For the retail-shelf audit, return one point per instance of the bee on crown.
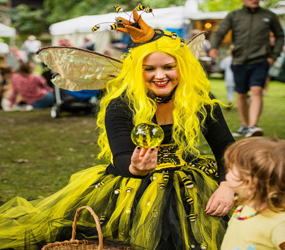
(135, 26)
(121, 22)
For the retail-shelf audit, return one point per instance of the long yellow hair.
(191, 95)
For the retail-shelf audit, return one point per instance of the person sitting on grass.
(33, 88)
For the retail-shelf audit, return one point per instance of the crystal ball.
(147, 135)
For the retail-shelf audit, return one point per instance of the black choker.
(161, 99)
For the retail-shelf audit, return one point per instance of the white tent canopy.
(79, 27)
(6, 31)
(165, 18)
(207, 15)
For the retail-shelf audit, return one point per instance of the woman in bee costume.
(165, 198)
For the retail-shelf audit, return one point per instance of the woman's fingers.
(221, 210)
(143, 161)
(136, 156)
(149, 154)
(143, 152)
(145, 158)
(221, 201)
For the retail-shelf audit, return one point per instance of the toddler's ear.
(252, 181)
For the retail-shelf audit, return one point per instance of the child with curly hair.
(256, 172)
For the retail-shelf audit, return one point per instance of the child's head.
(256, 171)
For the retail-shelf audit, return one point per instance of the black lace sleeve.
(218, 136)
(119, 125)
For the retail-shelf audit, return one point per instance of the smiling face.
(160, 73)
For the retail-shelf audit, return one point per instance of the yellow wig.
(191, 95)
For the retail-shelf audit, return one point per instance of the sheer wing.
(79, 69)
(195, 44)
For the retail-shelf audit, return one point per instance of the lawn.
(38, 153)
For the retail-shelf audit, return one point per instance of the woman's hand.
(270, 61)
(143, 161)
(221, 201)
(213, 53)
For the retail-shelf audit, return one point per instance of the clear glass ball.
(147, 135)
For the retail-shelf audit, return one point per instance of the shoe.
(54, 112)
(240, 132)
(254, 131)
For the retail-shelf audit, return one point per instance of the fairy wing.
(195, 44)
(79, 69)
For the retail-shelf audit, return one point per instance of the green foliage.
(27, 21)
(219, 5)
(270, 3)
(38, 154)
(163, 4)
(229, 5)
(63, 10)
(35, 22)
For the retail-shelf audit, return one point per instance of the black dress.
(163, 210)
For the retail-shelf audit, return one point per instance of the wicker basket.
(74, 244)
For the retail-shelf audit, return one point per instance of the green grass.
(56, 148)
(273, 115)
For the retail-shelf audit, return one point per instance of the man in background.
(252, 57)
(30, 47)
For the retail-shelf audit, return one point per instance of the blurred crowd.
(25, 82)
(21, 88)
(17, 68)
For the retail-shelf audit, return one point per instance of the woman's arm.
(118, 122)
(219, 138)
(143, 161)
(128, 160)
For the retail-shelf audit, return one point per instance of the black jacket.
(250, 35)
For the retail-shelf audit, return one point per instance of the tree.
(27, 21)
(219, 5)
(270, 3)
(229, 5)
(163, 4)
(63, 10)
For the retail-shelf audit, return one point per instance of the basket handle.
(100, 246)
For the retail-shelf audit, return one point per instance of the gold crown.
(142, 33)
(138, 30)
